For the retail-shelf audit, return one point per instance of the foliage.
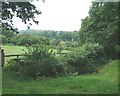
(54, 42)
(101, 26)
(54, 35)
(23, 39)
(23, 10)
(72, 44)
(39, 61)
(6, 35)
(87, 58)
(4, 39)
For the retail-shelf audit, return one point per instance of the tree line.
(34, 36)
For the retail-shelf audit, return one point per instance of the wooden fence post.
(2, 57)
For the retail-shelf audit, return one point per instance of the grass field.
(104, 82)
(12, 50)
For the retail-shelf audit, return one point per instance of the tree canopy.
(23, 10)
(101, 26)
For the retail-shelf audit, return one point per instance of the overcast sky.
(59, 15)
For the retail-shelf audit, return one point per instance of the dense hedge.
(87, 58)
(40, 61)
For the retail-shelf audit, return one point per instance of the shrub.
(54, 42)
(118, 51)
(67, 69)
(112, 52)
(38, 62)
(87, 58)
(4, 39)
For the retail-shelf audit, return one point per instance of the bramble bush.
(87, 58)
(39, 61)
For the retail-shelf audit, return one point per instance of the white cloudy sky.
(59, 15)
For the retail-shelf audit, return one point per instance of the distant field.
(13, 49)
(18, 50)
(104, 82)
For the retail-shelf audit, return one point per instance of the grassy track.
(104, 82)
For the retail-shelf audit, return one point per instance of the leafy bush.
(112, 52)
(38, 62)
(68, 70)
(87, 58)
(54, 42)
(118, 51)
(4, 39)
